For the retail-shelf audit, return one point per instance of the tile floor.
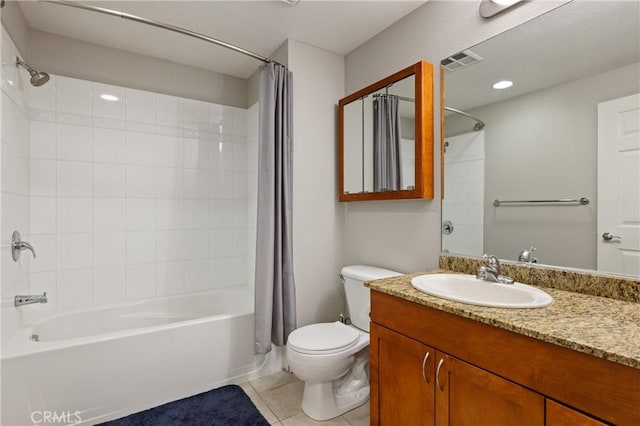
(278, 397)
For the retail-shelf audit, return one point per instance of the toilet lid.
(323, 338)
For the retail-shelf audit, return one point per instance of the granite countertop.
(598, 326)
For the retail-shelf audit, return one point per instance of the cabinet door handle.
(424, 362)
(438, 374)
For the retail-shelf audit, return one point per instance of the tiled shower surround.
(134, 194)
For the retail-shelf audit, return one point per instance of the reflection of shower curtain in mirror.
(387, 162)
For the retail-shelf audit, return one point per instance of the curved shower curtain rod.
(161, 25)
(479, 123)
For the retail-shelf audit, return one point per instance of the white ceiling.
(576, 40)
(258, 26)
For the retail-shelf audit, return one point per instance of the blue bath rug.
(225, 406)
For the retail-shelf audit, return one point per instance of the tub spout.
(28, 300)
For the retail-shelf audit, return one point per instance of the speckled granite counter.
(599, 326)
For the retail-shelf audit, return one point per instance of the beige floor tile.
(301, 419)
(260, 404)
(358, 416)
(285, 400)
(273, 381)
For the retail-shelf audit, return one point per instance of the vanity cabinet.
(430, 367)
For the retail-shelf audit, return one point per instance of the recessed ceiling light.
(110, 98)
(503, 84)
(505, 2)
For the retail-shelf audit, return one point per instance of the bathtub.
(90, 366)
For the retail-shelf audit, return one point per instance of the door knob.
(608, 236)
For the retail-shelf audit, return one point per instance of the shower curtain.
(387, 162)
(275, 299)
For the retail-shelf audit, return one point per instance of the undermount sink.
(469, 289)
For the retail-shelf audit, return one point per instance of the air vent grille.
(460, 60)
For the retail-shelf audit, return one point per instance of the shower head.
(37, 78)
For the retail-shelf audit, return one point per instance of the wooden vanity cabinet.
(477, 374)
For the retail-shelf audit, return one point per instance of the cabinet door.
(467, 395)
(402, 369)
(560, 415)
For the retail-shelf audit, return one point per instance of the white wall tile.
(197, 153)
(170, 111)
(141, 247)
(15, 170)
(41, 282)
(141, 281)
(198, 183)
(109, 214)
(141, 214)
(240, 185)
(42, 97)
(109, 248)
(221, 242)
(109, 146)
(74, 215)
(74, 288)
(240, 270)
(73, 96)
(46, 250)
(240, 242)
(106, 105)
(15, 125)
(197, 275)
(170, 278)
(196, 214)
(43, 140)
(239, 121)
(240, 214)
(42, 178)
(141, 106)
(141, 182)
(171, 246)
(141, 148)
(170, 182)
(74, 143)
(222, 187)
(221, 119)
(196, 244)
(74, 251)
(222, 153)
(109, 180)
(170, 214)
(169, 151)
(240, 157)
(109, 284)
(74, 179)
(196, 114)
(42, 211)
(221, 213)
(222, 272)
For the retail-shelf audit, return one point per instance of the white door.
(619, 185)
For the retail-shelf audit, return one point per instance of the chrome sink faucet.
(29, 299)
(491, 272)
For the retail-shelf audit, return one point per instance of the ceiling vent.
(460, 60)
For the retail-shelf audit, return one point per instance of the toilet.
(332, 359)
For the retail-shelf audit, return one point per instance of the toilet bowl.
(332, 359)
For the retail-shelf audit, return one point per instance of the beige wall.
(405, 235)
(318, 83)
(14, 23)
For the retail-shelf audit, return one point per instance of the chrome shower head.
(37, 78)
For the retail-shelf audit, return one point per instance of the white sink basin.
(469, 289)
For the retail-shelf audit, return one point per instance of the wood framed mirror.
(385, 138)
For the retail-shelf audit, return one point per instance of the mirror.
(557, 164)
(385, 141)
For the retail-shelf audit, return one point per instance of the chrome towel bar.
(583, 201)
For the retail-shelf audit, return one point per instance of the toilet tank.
(358, 301)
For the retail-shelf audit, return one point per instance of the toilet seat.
(323, 338)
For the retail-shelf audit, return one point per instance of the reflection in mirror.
(385, 142)
(379, 140)
(567, 129)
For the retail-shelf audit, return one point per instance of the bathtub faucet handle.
(17, 245)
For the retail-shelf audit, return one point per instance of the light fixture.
(504, 84)
(489, 8)
(110, 98)
(291, 2)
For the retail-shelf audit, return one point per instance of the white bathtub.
(96, 365)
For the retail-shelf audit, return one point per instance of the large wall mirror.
(385, 140)
(550, 161)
